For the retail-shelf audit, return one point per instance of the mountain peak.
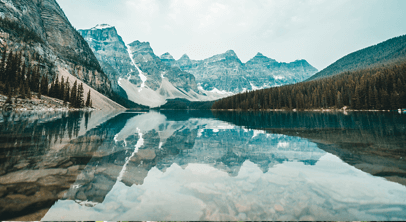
(143, 47)
(102, 26)
(184, 57)
(260, 58)
(167, 55)
(231, 53)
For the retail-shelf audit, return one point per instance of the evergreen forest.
(21, 77)
(380, 88)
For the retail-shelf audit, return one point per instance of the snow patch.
(278, 77)
(214, 94)
(254, 87)
(139, 144)
(283, 144)
(258, 132)
(140, 73)
(146, 97)
(102, 26)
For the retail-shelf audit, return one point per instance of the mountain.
(385, 53)
(41, 32)
(225, 72)
(137, 73)
(112, 53)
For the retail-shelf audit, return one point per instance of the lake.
(202, 165)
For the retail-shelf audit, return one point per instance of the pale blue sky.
(320, 31)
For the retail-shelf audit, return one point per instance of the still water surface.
(203, 166)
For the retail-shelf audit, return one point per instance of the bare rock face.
(136, 72)
(227, 72)
(43, 29)
(112, 53)
(155, 69)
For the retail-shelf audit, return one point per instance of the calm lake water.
(178, 165)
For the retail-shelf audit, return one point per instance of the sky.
(320, 31)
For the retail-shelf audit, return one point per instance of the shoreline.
(311, 110)
(34, 104)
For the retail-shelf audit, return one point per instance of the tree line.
(381, 88)
(19, 78)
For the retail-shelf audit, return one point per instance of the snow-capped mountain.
(137, 73)
(111, 51)
(226, 72)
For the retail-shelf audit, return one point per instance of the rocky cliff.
(226, 72)
(111, 51)
(137, 72)
(40, 27)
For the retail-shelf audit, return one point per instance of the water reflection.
(181, 167)
(371, 141)
(203, 166)
(41, 157)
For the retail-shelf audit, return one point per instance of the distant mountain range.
(226, 72)
(384, 53)
(138, 74)
(370, 79)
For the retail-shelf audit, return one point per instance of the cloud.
(320, 31)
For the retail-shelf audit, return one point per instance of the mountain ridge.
(227, 72)
(384, 53)
(137, 73)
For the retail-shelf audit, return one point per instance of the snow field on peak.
(102, 26)
(140, 73)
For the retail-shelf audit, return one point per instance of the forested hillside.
(389, 52)
(381, 88)
(21, 77)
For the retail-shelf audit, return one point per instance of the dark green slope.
(388, 52)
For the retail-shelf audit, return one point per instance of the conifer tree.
(22, 90)
(28, 90)
(44, 85)
(8, 100)
(67, 92)
(3, 65)
(80, 96)
(62, 89)
(73, 95)
(88, 99)
(39, 92)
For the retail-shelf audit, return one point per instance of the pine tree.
(66, 98)
(44, 85)
(8, 100)
(80, 96)
(28, 90)
(3, 65)
(73, 97)
(62, 89)
(339, 100)
(22, 90)
(88, 99)
(39, 92)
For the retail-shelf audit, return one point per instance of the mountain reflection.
(41, 155)
(181, 138)
(84, 157)
(374, 142)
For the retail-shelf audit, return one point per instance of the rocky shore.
(44, 104)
